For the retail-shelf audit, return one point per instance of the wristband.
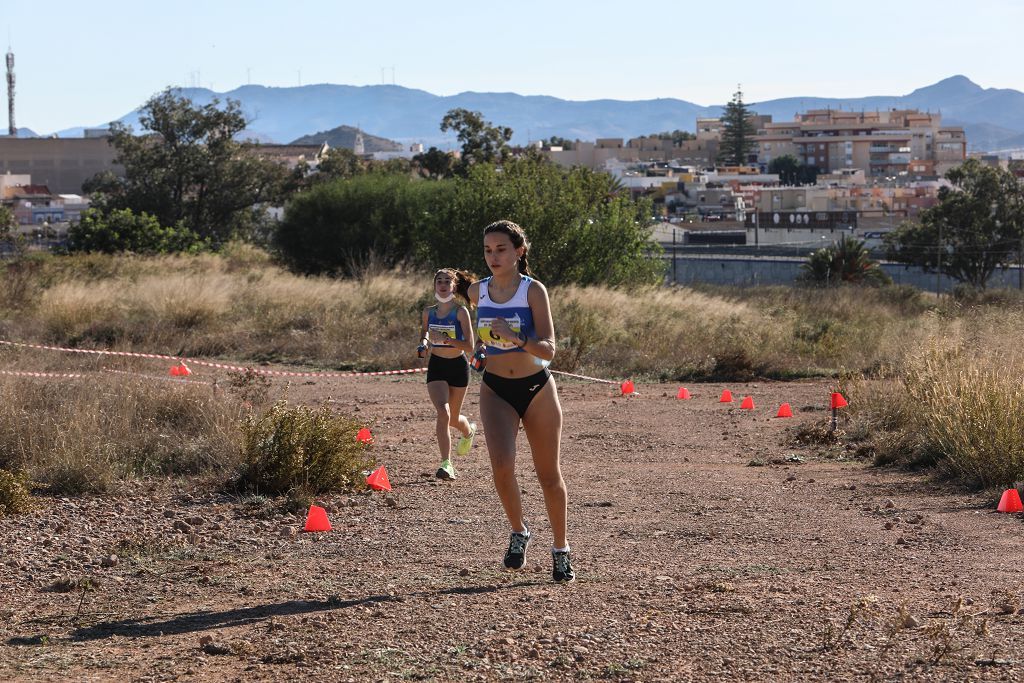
(521, 337)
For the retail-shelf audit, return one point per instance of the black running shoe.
(515, 556)
(562, 571)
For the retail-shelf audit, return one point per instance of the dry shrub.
(954, 403)
(298, 448)
(85, 434)
(14, 495)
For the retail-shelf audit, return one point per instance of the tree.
(977, 226)
(792, 172)
(121, 230)
(556, 141)
(738, 132)
(846, 261)
(189, 168)
(339, 162)
(481, 142)
(434, 163)
(581, 230)
(7, 222)
(676, 136)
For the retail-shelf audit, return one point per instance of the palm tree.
(845, 261)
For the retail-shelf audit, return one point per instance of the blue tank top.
(516, 311)
(448, 325)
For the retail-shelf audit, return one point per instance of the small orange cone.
(748, 403)
(726, 396)
(785, 411)
(317, 520)
(378, 480)
(364, 436)
(174, 371)
(838, 401)
(183, 370)
(627, 388)
(683, 393)
(1010, 502)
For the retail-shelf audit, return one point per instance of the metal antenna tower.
(12, 129)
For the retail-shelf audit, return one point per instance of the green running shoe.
(446, 471)
(466, 442)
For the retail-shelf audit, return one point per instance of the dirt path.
(693, 565)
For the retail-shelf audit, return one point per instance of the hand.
(501, 330)
(437, 337)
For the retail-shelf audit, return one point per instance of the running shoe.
(515, 556)
(562, 567)
(446, 471)
(466, 442)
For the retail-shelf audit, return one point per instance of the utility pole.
(12, 128)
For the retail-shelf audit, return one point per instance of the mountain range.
(993, 118)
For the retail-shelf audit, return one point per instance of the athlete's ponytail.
(518, 237)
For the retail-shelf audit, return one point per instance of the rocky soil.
(707, 545)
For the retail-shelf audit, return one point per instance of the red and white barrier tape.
(259, 371)
(210, 364)
(592, 379)
(19, 373)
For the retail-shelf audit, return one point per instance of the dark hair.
(462, 279)
(518, 237)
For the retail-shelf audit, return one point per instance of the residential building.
(893, 143)
(61, 164)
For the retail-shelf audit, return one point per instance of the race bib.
(484, 330)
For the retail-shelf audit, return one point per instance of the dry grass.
(954, 402)
(82, 435)
(239, 306)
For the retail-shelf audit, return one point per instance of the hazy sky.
(88, 63)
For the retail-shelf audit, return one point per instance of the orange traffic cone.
(785, 411)
(173, 372)
(1010, 502)
(726, 396)
(683, 393)
(317, 520)
(627, 388)
(838, 401)
(364, 436)
(748, 403)
(378, 480)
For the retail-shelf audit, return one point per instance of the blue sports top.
(448, 325)
(516, 311)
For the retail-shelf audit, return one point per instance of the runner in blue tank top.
(514, 323)
(447, 332)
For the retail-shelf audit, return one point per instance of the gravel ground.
(707, 546)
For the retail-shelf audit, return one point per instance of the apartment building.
(893, 143)
(62, 164)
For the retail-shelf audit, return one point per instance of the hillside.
(996, 116)
(345, 136)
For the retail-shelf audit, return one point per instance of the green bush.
(289, 448)
(14, 496)
(121, 230)
(582, 230)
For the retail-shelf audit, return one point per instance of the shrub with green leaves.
(121, 230)
(14, 496)
(290, 448)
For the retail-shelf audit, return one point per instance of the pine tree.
(738, 132)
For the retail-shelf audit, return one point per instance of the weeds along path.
(707, 549)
